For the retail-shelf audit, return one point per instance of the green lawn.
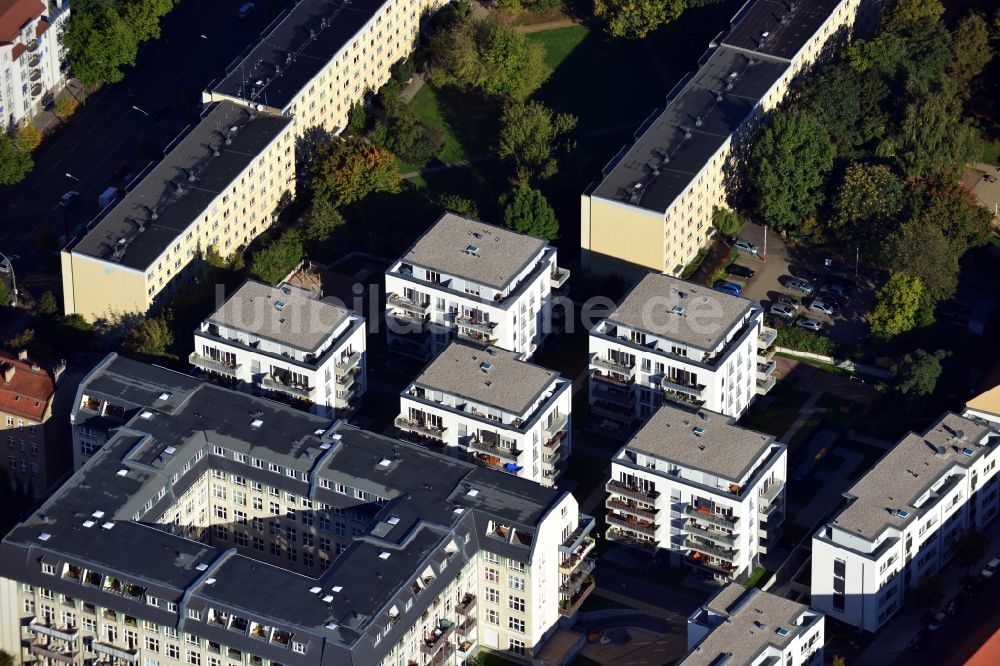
(559, 43)
(427, 108)
(780, 414)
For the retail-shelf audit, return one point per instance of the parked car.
(821, 306)
(834, 289)
(937, 622)
(790, 301)
(245, 10)
(739, 271)
(69, 199)
(728, 287)
(990, 570)
(918, 640)
(810, 324)
(795, 284)
(746, 246)
(782, 310)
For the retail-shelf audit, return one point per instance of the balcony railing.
(612, 380)
(613, 366)
(631, 523)
(612, 411)
(579, 576)
(420, 427)
(628, 507)
(578, 555)
(703, 514)
(616, 397)
(558, 277)
(115, 651)
(210, 364)
(633, 492)
(766, 337)
(444, 656)
(438, 637)
(348, 363)
(765, 385)
(478, 325)
(584, 527)
(701, 561)
(694, 390)
(683, 397)
(772, 492)
(403, 303)
(481, 445)
(271, 383)
(476, 336)
(765, 369)
(50, 652)
(467, 605)
(558, 423)
(712, 535)
(728, 554)
(569, 605)
(619, 536)
(63, 633)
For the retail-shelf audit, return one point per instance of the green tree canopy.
(321, 220)
(906, 13)
(526, 211)
(790, 162)
(490, 56)
(868, 200)
(528, 136)
(970, 50)
(956, 212)
(635, 19)
(727, 222)
(400, 131)
(48, 305)
(935, 141)
(459, 205)
(918, 372)
(896, 306)
(272, 263)
(922, 251)
(347, 171)
(151, 336)
(14, 163)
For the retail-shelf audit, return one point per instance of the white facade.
(428, 305)
(533, 442)
(637, 365)
(742, 627)
(670, 499)
(30, 56)
(903, 519)
(253, 338)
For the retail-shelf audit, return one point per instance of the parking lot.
(776, 266)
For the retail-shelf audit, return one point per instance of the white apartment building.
(322, 57)
(699, 489)
(903, 518)
(652, 207)
(494, 408)
(31, 56)
(214, 526)
(677, 341)
(286, 341)
(741, 627)
(475, 282)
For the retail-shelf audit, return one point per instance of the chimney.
(8, 372)
(57, 372)
(22, 355)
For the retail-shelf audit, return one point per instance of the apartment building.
(35, 460)
(986, 406)
(475, 282)
(218, 527)
(322, 57)
(31, 56)
(741, 627)
(698, 489)
(218, 185)
(652, 207)
(285, 341)
(675, 341)
(903, 518)
(493, 407)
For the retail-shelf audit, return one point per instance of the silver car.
(782, 310)
(820, 306)
(810, 324)
(795, 284)
(746, 246)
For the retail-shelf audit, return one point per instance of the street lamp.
(12, 276)
(140, 110)
(69, 175)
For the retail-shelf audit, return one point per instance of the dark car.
(727, 287)
(245, 10)
(739, 271)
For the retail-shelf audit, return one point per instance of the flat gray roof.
(708, 315)
(130, 236)
(723, 448)
(789, 24)
(288, 315)
(907, 471)
(750, 620)
(501, 254)
(507, 383)
(671, 149)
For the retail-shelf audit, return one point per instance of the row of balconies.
(632, 492)
(640, 526)
(420, 427)
(631, 508)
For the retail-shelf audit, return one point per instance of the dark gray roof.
(789, 24)
(296, 50)
(422, 490)
(676, 134)
(129, 228)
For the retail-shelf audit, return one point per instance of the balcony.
(772, 493)
(467, 605)
(712, 535)
(613, 366)
(703, 514)
(32, 45)
(554, 428)
(573, 541)
(765, 385)
(619, 536)
(728, 554)
(407, 305)
(694, 390)
(699, 560)
(764, 355)
(62, 633)
(115, 651)
(420, 428)
(347, 364)
(272, 383)
(578, 555)
(438, 637)
(558, 277)
(51, 652)
(36, 90)
(631, 523)
(766, 337)
(612, 411)
(616, 396)
(632, 492)
(570, 604)
(502, 452)
(35, 75)
(415, 345)
(612, 380)
(444, 656)
(476, 337)
(765, 370)
(682, 397)
(478, 325)
(578, 577)
(467, 649)
(210, 364)
(630, 508)
(34, 60)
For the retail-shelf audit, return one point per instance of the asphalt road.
(197, 42)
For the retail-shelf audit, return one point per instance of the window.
(192, 640)
(516, 603)
(492, 596)
(48, 569)
(515, 582)
(152, 644)
(516, 646)
(492, 616)
(298, 647)
(194, 658)
(194, 614)
(490, 557)
(173, 651)
(492, 575)
(515, 624)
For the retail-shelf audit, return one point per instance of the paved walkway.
(808, 409)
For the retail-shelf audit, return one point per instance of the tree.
(791, 159)
(48, 305)
(935, 141)
(956, 212)
(727, 222)
(928, 592)
(970, 547)
(921, 250)
(490, 56)
(321, 220)
(883, 54)
(272, 263)
(635, 19)
(918, 373)
(528, 134)
(869, 199)
(906, 13)
(838, 661)
(526, 211)
(66, 106)
(151, 337)
(6, 659)
(347, 171)
(14, 163)
(459, 205)
(401, 132)
(896, 306)
(357, 119)
(970, 49)
(28, 138)
(21, 340)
